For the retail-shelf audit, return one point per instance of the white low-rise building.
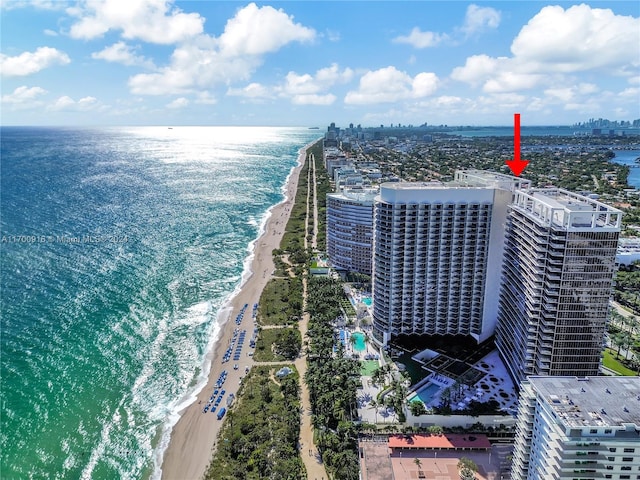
(578, 428)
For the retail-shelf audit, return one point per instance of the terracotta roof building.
(447, 441)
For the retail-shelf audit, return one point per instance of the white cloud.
(171, 81)
(333, 36)
(194, 67)
(424, 84)
(502, 101)
(31, 62)
(420, 39)
(256, 31)
(66, 103)
(633, 93)
(635, 80)
(478, 19)
(206, 61)
(205, 98)
(477, 69)
(323, 79)
(570, 97)
(253, 90)
(178, 103)
(50, 33)
(577, 39)
(313, 99)
(391, 85)
(329, 76)
(554, 43)
(120, 52)
(37, 4)
(562, 94)
(154, 21)
(509, 81)
(23, 95)
(451, 104)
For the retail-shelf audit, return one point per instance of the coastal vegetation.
(292, 243)
(259, 439)
(277, 344)
(323, 186)
(332, 379)
(627, 291)
(281, 302)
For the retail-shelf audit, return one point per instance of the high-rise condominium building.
(437, 253)
(350, 230)
(559, 263)
(578, 428)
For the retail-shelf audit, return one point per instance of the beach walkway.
(194, 436)
(310, 455)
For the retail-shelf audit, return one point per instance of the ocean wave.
(105, 344)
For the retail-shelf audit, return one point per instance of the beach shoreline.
(193, 436)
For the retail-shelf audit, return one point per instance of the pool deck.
(495, 384)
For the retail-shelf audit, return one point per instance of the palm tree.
(418, 463)
(467, 468)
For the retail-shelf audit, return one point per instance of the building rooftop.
(591, 401)
(563, 209)
(444, 441)
(359, 195)
(473, 177)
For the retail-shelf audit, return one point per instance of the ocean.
(120, 248)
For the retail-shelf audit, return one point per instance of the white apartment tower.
(350, 229)
(437, 254)
(578, 428)
(559, 263)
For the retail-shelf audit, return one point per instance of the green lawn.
(610, 361)
(368, 367)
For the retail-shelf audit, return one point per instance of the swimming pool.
(366, 301)
(359, 344)
(426, 393)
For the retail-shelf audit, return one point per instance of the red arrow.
(516, 165)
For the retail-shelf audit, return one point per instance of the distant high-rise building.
(437, 255)
(558, 269)
(350, 230)
(578, 428)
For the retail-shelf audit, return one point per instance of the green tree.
(467, 468)
(417, 408)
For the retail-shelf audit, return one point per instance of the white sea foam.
(98, 450)
(174, 409)
(112, 320)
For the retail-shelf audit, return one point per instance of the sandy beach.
(193, 437)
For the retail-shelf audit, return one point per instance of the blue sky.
(309, 63)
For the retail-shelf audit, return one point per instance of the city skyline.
(309, 63)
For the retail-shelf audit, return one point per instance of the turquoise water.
(121, 247)
(366, 301)
(359, 344)
(426, 392)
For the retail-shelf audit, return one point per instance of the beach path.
(310, 455)
(193, 437)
